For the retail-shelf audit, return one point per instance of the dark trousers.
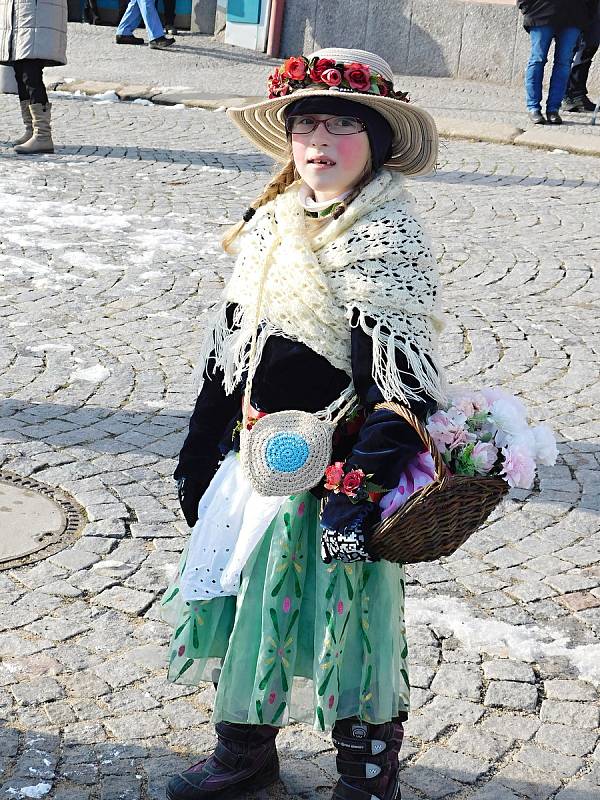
(169, 13)
(30, 81)
(588, 45)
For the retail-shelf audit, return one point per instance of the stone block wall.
(441, 38)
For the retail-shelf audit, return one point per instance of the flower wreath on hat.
(298, 72)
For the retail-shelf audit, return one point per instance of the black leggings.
(29, 72)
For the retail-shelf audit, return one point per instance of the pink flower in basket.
(417, 473)
(447, 429)
(519, 467)
(484, 456)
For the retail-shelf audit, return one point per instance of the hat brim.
(415, 137)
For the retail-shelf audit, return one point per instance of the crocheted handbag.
(288, 451)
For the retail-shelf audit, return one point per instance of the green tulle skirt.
(303, 639)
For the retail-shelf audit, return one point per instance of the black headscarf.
(378, 130)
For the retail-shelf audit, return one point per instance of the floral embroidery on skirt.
(304, 639)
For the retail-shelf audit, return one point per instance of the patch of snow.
(141, 101)
(177, 106)
(494, 637)
(95, 373)
(42, 348)
(107, 97)
(39, 790)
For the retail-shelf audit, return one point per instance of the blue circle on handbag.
(286, 452)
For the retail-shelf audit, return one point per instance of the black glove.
(346, 529)
(189, 492)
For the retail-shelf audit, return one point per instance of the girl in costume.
(332, 305)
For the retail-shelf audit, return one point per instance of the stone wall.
(443, 38)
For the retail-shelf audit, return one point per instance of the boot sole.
(252, 784)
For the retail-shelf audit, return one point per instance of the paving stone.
(129, 600)
(74, 560)
(566, 740)
(494, 791)
(421, 677)
(578, 601)
(511, 725)
(508, 670)
(558, 689)
(511, 695)
(457, 766)
(136, 726)
(457, 681)
(528, 782)
(479, 743)
(34, 693)
(430, 782)
(578, 790)
(579, 715)
(538, 758)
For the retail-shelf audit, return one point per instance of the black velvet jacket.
(293, 376)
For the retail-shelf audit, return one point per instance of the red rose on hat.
(358, 77)
(352, 482)
(332, 77)
(276, 85)
(319, 67)
(294, 68)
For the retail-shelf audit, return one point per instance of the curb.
(449, 128)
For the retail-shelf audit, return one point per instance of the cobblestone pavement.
(203, 63)
(108, 259)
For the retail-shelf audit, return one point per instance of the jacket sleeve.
(200, 454)
(386, 443)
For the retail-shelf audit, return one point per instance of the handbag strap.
(421, 430)
(335, 411)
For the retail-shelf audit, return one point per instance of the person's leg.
(367, 758)
(32, 71)
(24, 103)
(565, 42)
(169, 13)
(130, 19)
(150, 16)
(244, 760)
(580, 69)
(541, 37)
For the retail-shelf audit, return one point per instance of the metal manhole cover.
(35, 520)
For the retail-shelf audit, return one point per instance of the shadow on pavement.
(103, 430)
(55, 763)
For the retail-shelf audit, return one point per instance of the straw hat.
(355, 75)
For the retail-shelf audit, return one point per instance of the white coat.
(33, 29)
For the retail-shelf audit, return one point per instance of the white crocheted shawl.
(373, 265)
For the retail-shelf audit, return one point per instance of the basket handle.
(415, 422)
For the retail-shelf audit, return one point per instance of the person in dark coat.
(576, 98)
(561, 21)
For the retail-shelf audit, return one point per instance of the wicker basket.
(437, 519)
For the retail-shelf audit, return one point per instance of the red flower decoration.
(358, 76)
(319, 67)
(334, 474)
(383, 88)
(332, 77)
(294, 68)
(352, 482)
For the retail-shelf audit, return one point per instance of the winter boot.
(367, 759)
(26, 114)
(41, 141)
(244, 760)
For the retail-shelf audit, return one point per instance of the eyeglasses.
(339, 126)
